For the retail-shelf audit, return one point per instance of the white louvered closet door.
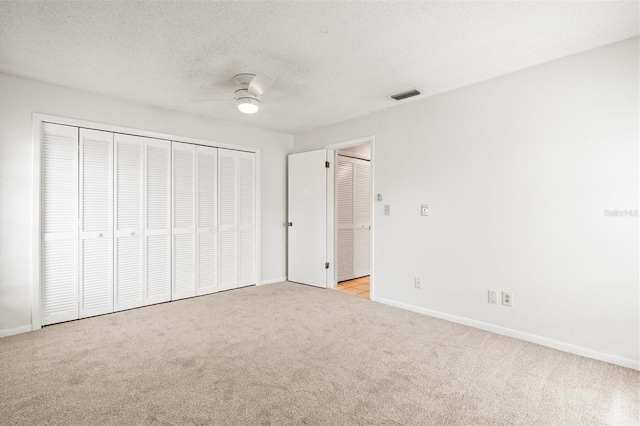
(59, 267)
(129, 236)
(362, 218)
(228, 218)
(96, 221)
(157, 250)
(246, 219)
(207, 195)
(184, 220)
(344, 218)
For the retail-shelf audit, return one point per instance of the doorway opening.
(352, 218)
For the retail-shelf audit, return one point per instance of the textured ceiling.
(333, 60)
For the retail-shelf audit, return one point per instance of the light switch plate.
(387, 210)
(424, 209)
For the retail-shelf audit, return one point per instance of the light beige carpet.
(291, 354)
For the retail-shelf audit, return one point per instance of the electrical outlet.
(492, 297)
(424, 210)
(506, 298)
(417, 283)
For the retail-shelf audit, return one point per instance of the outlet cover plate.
(506, 298)
(492, 297)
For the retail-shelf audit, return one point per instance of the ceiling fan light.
(248, 105)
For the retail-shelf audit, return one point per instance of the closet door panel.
(246, 219)
(184, 220)
(207, 175)
(362, 218)
(228, 218)
(96, 218)
(59, 267)
(129, 209)
(344, 217)
(157, 250)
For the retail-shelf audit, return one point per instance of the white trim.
(332, 237)
(36, 317)
(136, 132)
(273, 281)
(330, 278)
(521, 335)
(16, 330)
(257, 223)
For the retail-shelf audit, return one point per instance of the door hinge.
(327, 164)
(326, 265)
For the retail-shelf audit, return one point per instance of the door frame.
(39, 118)
(332, 238)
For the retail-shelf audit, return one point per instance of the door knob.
(289, 223)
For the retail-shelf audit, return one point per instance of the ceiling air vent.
(405, 95)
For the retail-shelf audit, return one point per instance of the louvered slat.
(59, 182)
(96, 277)
(207, 186)
(183, 265)
(362, 194)
(361, 254)
(344, 191)
(96, 212)
(207, 176)
(128, 184)
(158, 181)
(207, 262)
(183, 185)
(345, 254)
(246, 218)
(158, 271)
(59, 282)
(129, 205)
(158, 214)
(96, 181)
(228, 217)
(344, 216)
(184, 243)
(129, 272)
(59, 253)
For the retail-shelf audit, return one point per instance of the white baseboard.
(273, 281)
(521, 335)
(16, 330)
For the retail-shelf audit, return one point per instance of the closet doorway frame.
(37, 122)
(332, 229)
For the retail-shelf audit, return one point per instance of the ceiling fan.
(252, 87)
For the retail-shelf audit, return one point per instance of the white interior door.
(158, 221)
(353, 211)
(344, 218)
(128, 247)
(207, 175)
(246, 219)
(307, 236)
(184, 220)
(96, 221)
(362, 218)
(228, 217)
(59, 270)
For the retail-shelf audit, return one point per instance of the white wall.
(19, 98)
(518, 172)
(362, 151)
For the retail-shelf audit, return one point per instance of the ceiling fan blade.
(260, 84)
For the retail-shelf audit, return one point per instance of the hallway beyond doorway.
(358, 287)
